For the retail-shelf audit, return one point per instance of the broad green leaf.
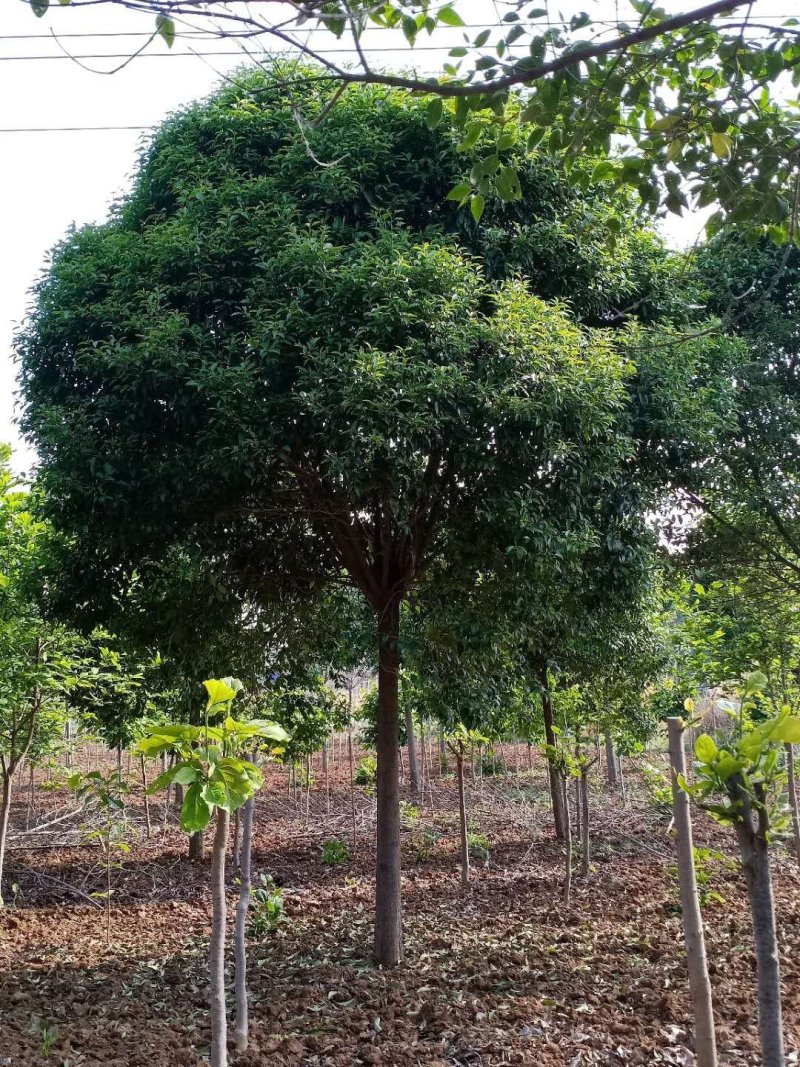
(195, 812)
(755, 683)
(705, 748)
(787, 730)
(39, 7)
(185, 774)
(476, 206)
(219, 692)
(450, 17)
(214, 793)
(721, 145)
(459, 192)
(728, 765)
(434, 112)
(165, 27)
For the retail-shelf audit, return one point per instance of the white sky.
(50, 180)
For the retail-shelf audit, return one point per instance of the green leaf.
(755, 683)
(184, 774)
(705, 749)
(165, 28)
(219, 692)
(39, 7)
(450, 17)
(721, 145)
(215, 794)
(195, 812)
(434, 112)
(459, 192)
(787, 730)
(476, 206)
(728, 765)
(481, 39)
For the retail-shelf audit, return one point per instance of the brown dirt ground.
(499, 974)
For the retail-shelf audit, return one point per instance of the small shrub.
(659, 790)
(479, 846)
(424, 843)
(367, 771)
(491, 764)
(408, 812)
(705, 871)
(334, 851)
(266, 909)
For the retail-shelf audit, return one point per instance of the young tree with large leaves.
(321, 374)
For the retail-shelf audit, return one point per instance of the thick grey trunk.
(216, 956)
(5, 808)
(240, 929)
(752, 831)
(696, 962)
(462, 818)
(388, 943)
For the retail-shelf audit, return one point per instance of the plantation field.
(497, 973)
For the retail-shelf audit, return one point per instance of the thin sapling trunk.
(240, 928)
(792, 790)
(462, 815)
(696, 961)
(216, 962)
(753, 831)
(567, 842)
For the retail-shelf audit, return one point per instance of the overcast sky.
(50, 180)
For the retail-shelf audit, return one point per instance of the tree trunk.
(413, 762)
(388, 945)
(196, 846)
(611, 763)
(146, 798)
(752, 830)
(792, 789)
(326, 773)
(462, 818)
(30, 809)
(240, 929)
(567, 842)
(5, 808)
(235, 849)
(585, 839)
(556, 794)
(696, 962)
(352, 787)
(216, 960)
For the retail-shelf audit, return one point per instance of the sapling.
(218, 781)
(740, 783)
(460, 741)
(103, 797)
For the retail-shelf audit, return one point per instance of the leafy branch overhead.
(695, 105)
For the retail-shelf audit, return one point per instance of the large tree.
(320, 374)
